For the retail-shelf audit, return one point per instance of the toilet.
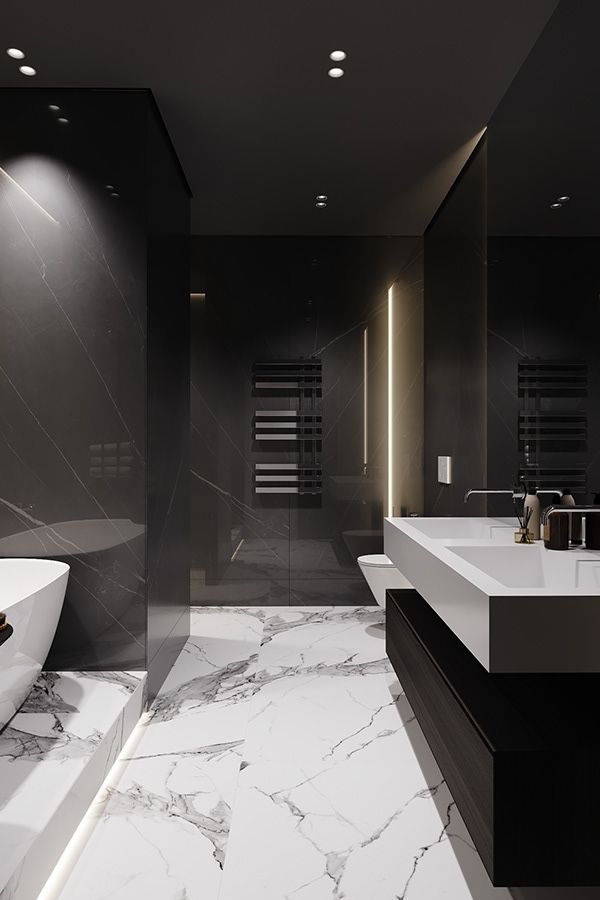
(380, 574)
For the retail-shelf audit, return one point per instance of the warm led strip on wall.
(365, 399)
(390, 503)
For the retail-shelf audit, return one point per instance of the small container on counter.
(532, 512)
(556, 531)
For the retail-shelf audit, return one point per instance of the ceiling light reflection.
(29, 197)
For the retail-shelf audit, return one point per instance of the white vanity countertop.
(516, 607)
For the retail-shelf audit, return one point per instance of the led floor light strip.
(70, 855)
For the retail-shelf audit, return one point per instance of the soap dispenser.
(532, 502)
(567, 499)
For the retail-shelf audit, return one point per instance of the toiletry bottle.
(532, 502)
(556, 532)
(567, 499)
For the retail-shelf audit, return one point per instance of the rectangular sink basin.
(517, 608)
(481, 528)
(514, 567)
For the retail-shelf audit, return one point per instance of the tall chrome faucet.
(516, 493)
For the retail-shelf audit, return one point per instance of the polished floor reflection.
(268, 571)
(281, 759)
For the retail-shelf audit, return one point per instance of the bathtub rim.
(25, 591)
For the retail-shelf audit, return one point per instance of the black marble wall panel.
(455, 343)
(542, 301)
(75, 292)
(72, 361)
(270, 298)
(168, 407)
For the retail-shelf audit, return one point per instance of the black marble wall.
(285, 298)
(74, 319)
(542, 302)
(455, 343)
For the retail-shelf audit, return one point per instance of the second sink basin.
(477, 529)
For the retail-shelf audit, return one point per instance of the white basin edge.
(442, 549)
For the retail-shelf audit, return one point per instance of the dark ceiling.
(544, 138)
(260, 128)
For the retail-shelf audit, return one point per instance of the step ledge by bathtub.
(54, 756)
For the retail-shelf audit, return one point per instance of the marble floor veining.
(281, 761)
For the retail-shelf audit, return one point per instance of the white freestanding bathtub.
(31, 594)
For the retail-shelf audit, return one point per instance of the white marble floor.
(281, 761)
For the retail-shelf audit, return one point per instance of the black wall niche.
(455, 343)
(264, 299)
(91, 209)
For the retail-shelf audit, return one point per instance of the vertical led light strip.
(365, 399)
(390, 503)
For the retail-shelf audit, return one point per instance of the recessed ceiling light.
(335, 72)
(15, 53)
(555, 205)
(320, 204)
(109, 187)
(337, 55)
(27, 70)
(53, 107)
(115, 195)
(321, 197)
(564, 199)
(62, 120)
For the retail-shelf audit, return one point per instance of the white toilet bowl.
(380, 574)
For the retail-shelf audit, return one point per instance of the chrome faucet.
(570, 510)
(515, 493)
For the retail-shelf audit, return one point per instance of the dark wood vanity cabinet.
(520, 753)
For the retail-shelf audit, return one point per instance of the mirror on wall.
(543, 249)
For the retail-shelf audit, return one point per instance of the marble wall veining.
(287, 298)
(76, 304)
